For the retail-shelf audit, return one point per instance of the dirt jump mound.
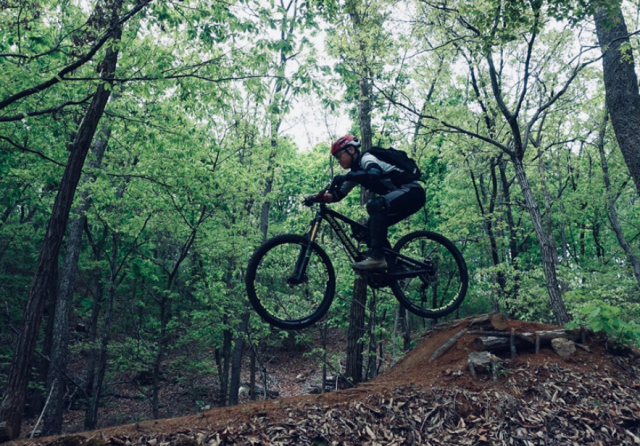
(482, 380)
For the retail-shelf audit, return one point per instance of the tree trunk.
(406, 328)
(356, 331)
(494, 321)
(486, 204)
(56, 381)
(372, 357)
(93, 332)
(91, 415)
(323, 335)
(252, 375)
(547, 251)
(36, 397)
(13, 402)
(222, 357)
(236, 360)
(621, 85)
(613, 213)
(496, 343)
(52, 421)
(157, 363)
(514, 251)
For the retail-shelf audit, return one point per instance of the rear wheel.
(281, 297)
(440, 281)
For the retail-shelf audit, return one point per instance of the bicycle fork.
(299, 275)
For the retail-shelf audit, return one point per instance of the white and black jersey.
(368, 162)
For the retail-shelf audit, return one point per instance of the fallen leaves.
(533, 404)
(563, 408)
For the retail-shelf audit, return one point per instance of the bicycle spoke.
(285, 297)
(440, 281)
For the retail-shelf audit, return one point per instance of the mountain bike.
(291, 281)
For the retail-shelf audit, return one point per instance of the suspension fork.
(305, 251)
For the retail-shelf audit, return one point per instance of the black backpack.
(398, 158)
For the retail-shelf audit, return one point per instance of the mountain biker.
(392, 202)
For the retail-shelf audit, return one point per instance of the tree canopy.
(177, 118)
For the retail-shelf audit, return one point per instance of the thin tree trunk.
(564, 252)
(52, 421)
(13, 402)
(547, 251)
(222, 357)
(372, 354)
(406, 329)
(356, 331)
(93, 333)
(621, 85)
(547, 202)
(506, 194)
(157, 363)
(91, 415)
(56, 381)
(252, 375)
(36, 398)
(323, 335)
(488, 218)
(613, 213)
(236, 360)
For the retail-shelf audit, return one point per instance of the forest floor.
(589, 398)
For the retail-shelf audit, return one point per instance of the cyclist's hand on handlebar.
(310, 200)
(320, 197)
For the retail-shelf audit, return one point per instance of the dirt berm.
(589, 398)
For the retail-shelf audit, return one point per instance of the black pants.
(390, 209)
(403, 202)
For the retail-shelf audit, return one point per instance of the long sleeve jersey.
(371, 173)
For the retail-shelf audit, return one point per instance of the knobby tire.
(440, 291)
(276, 296)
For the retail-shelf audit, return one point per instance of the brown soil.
(589, 398)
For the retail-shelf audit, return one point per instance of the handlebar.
(313, 199)
(310, 200)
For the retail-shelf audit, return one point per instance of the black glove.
(310, 200)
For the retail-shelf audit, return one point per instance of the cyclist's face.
(345, 157)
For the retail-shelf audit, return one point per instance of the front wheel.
(284, 293)
(433, 274)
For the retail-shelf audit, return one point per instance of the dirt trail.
(590, 398)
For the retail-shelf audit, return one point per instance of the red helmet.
(343, 143)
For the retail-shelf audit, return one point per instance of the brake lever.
(310, 200)
(313, 199)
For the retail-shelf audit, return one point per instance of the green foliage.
(613, 321)
(196, 150)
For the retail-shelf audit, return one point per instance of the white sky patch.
(309, 123)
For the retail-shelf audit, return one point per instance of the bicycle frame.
(332, 217)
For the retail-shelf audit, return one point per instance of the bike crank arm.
(406, 260)
(408, 274)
